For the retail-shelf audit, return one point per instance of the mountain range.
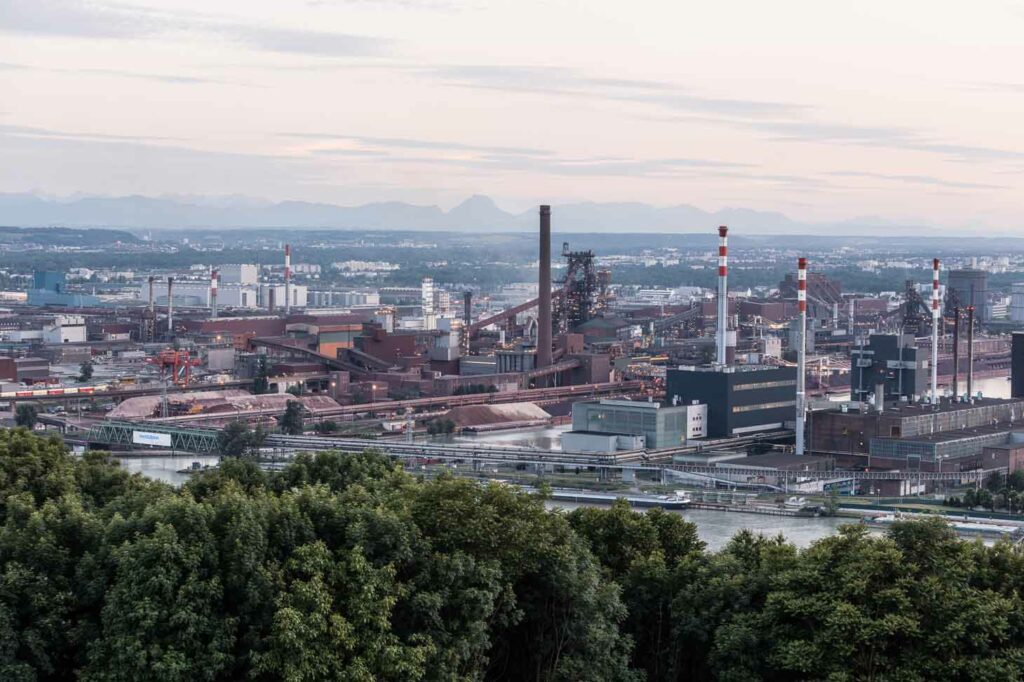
(477, 214)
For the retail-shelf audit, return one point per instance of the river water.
(714, 528)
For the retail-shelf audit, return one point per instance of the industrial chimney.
(152, 299)
(170, 306)
(801, 354)
(935, 331)
(956, 352)
(543, 358)
(467, 307)
(214, 276)
(270, 299)
(723, 294)
(970, 352)
(287, 278)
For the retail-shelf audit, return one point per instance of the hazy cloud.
(31, 131)
(80, 19)
(915, 179)
(174, 79)
(411, 143)
(573, 83)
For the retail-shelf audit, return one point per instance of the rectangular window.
(763, 406)
(764, 384)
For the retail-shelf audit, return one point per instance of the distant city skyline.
(823, 111)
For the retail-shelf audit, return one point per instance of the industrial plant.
(690, 385)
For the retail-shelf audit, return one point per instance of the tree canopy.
(346, 567)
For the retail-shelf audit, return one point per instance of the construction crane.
(175, 364)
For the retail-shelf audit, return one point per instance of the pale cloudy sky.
(907, 109)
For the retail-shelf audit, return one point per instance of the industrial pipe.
(723, 294)
(801, 354)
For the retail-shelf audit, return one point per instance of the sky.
(910, 111)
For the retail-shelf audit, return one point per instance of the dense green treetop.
(344, 567)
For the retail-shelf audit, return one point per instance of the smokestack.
(214, 276)
(970, 352)
(152, 298)
(935, 330)
(467, 307)
(287, 278)
(852, 320)
(270, 298)
(723, 294)
(170, 306)
(956, 351)
(544, 294)
(801, 354)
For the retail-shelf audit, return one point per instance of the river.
(714, 528)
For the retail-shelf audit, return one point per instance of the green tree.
(26, 415)
(261, 383)
(291, 421)
(326, 426)
(85, 371)
(236, 439)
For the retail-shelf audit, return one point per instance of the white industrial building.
(65, 329)
(299, 293)
(196, 294)
(238, 273)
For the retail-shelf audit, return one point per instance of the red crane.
(179, 362)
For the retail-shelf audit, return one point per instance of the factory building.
(892, 362)
(196, 294)
(970, 287)
(277, 295)
(1016, 308)
(740, 399)
(65, 329)
(50, 288)
(950, 436)
(610, 425)
(1017, 365)
(238, 273)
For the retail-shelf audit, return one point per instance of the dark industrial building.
(740, 398)
(1017, 365)
(970, 287)
(891, 360)
(910, 436)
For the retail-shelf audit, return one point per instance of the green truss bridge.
(191, 439)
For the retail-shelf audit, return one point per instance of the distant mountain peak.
(476, 213)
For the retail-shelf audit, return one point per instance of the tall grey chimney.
(170, 306)
(544, 292)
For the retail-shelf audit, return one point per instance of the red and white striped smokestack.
(723, 294)
(935, 330)
(214, 276)
(801, 353)
(287, 278)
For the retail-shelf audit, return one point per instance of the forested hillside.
(347, 568)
